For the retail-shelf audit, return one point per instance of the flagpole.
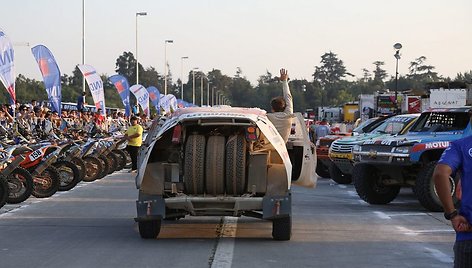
(83, 43)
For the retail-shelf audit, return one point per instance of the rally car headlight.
(401, 150)
(356, 148)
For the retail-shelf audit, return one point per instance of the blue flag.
(122, 86)
(51, 75)
(154, 96)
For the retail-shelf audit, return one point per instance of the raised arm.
(286, 92)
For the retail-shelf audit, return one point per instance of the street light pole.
(208, 92)
(137, 62)
(193, 85)
(182, 76)
(397, 47)
(165, 64)
(201, 90)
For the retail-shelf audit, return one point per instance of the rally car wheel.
(338, 176)
(426, 191)
(370, 188)
(235, 165)
(215, 165)
(194, 164)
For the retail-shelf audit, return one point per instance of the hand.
(460, 224)
(283, 75)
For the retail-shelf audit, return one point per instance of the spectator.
(282, 109)
(134, 135)
(81, 102)
(457, 158)
(322, 129)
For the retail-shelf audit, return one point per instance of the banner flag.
(95, 84)
(169, 103)
(51, 75)
(7, 66)
(142, 96)
(154, 96)
(122, 86)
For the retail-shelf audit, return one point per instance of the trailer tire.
(194, 166)
(235, 165)
(215, 165)
(282, 228)
(149, 229)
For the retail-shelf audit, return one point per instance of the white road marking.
(439, 255)
(224, 250)
(352, 193)
(342, 186)
(382, 215)
(410, 232)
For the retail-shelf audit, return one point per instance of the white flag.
(168, 103)
(95, 84)
(7, 70)
(142, 96)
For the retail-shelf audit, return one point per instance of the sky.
(255, 35)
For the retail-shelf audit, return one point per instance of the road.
(92, 226)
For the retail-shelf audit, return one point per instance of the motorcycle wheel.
(112, 162)
(106, 166)
(93, 167)
(51, 184)
(121, 158)
(20, 186)
(80, 165)
(69, 174)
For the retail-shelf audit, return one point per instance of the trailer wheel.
(282, 228)
(235, 165)
(215, 165)
(194, 166)
(149, 229)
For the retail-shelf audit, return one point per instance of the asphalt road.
(92, 226)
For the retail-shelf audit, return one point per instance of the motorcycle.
(19, 182)
(46, 178)
(93, 165)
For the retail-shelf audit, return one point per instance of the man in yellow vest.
(134, 135)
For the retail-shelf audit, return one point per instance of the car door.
(302, 154)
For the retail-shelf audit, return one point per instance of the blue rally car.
(383, 166)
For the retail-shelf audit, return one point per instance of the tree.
(126, 66)
(379, 73)
(421, 72)
(331, 71)
(329, 76)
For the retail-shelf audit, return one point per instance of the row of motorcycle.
(43, 168)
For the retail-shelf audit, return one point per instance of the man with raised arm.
(282, 108)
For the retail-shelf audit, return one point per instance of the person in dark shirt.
(457, 158)
(81, 102)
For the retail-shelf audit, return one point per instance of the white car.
(221, 161)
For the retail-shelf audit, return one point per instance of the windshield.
(368, 125)
(393, 125)
(441, 122)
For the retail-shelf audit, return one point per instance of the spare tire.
(194, 165)
(215, 165)
(235, 165)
